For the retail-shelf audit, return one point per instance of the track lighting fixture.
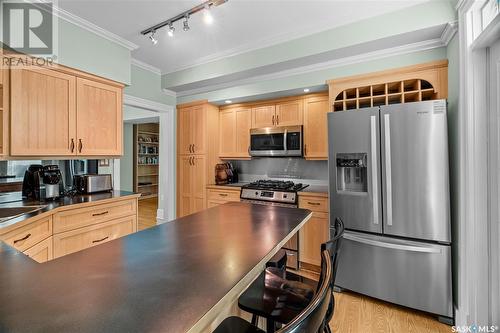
(206, 7)
(185, 25)
(152, 37)
(171, 30)
(207, 15)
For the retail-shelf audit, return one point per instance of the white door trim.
(166, 195)
(473, 284)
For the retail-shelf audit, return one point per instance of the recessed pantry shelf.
(146, 159)
(405, 91)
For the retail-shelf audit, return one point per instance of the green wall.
(417, 17)
(86, 51)
(127, 161)
(454, 150)
(318, 77)
(146, 84)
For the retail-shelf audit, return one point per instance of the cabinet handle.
(99, 214)
(194, 160)
(314, 203)
(72, 145)
(80, 145)
(273, 120)
(223, 194)
(100, 240)
(305, 149)
(193, 148)
(22, 239)
(277, 119)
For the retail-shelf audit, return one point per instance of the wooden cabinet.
(289, 113)
(218, 195)
(81, 217)
(43, 117)
(316, 231)
(99, 118)
(197, 154)
(316, 127)
(234, 132)
(83, 238)
(62, 112)
(263, 116)
(28, 233)
(41, 252)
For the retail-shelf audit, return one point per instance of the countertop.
(14, 199)
(164, 279)
(11, 180)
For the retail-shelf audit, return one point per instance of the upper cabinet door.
(198, 129)
(263, 116)
(184, 137)
(43, 112)
(243, 125)
(289, 113)
(227, 133)
(315, 128)
(99, 119)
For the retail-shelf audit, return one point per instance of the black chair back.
(333, 248)
(312, 318)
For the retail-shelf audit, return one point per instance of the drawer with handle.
(24, 237)
(223, 195)
(82, 217)
(41, 252)
(316, 204)
(83, 238)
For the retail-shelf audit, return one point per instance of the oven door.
(276, 141)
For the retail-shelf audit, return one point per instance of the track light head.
(186, 23)
(171, 30)
(152, 37)
(207, 15)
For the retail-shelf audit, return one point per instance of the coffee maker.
(43, 182)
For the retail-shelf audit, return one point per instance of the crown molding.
(449, 31)
(170, 93)
(355, 59)
(146, 104)
(91, 27)
(146, 66)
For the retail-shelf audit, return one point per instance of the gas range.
(272, 192)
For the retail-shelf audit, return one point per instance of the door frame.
(166, 187)
(473, 255)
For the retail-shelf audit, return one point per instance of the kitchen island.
(180, 276)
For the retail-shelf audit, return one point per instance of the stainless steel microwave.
(276, 141)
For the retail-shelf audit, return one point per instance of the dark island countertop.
(15, 200)
(175, 277)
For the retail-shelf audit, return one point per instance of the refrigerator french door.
(388, 173)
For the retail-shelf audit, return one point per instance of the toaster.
(90, 183)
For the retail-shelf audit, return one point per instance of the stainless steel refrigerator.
(389, 182)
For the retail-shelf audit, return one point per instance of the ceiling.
(239, 26)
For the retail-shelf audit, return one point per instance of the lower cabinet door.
(80, 239)
(311, 236)
(42, 251)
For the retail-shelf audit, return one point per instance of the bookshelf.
(146, 159)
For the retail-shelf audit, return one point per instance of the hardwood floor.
(147, 213)
(356, 313)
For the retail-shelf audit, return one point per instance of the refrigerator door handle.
(388, 171)
(390, 245)
(373, 133)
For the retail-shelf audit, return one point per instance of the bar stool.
(310, 319)
(279, 299)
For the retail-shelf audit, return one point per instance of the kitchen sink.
(12, 212)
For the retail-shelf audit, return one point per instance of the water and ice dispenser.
(352, 174)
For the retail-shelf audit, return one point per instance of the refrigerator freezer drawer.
(408, 273)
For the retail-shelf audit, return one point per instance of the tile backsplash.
(283, 168)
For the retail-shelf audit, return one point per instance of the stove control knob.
(256, 193)
(284, 196)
